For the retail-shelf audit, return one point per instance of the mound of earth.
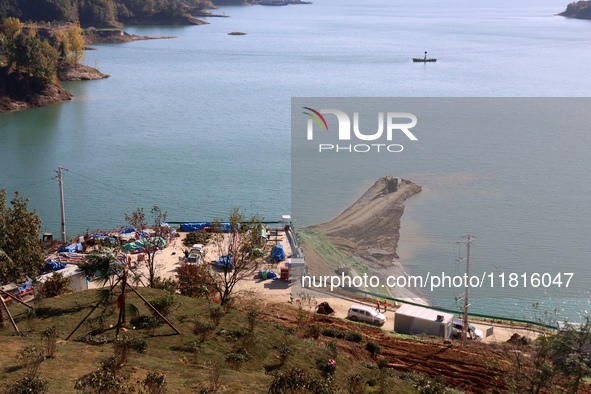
(369, 231)
(371, 226)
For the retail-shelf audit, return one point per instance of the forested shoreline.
(106, 13)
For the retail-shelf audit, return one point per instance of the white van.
(366, 314)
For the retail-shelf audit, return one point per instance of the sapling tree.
(236, 244)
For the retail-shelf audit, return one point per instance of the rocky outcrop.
(579, 10)
(79, 73)
(18, 91)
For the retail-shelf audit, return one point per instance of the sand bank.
(368, 231)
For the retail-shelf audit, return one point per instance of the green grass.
(322, 245)
(318, 241)
(166, 349)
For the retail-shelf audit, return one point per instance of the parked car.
(366, 314)
(473, 332)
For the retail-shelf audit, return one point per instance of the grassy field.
(318, 241)
(187, 363)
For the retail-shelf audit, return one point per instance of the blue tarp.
(71, 248)
(54, 265)
(26, 286)
(189, 227)
(129, 230)
(224, 262)
(267, 274)
(277, 253)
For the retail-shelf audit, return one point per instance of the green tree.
(20, 232)
(56, 285)
(75, 41)
(571, 353)
(11, 28)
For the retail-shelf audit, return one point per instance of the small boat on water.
(423, 59)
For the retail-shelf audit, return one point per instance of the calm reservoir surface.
(201, 123)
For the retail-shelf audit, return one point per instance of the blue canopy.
(54, 265)
(277, 253)
(224, 262)
(189, 227)
(71, 248)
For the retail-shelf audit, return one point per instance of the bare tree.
(234, 241)
(150, 246)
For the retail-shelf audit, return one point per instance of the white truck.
(412, 319)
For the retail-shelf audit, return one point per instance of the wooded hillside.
(102, 13)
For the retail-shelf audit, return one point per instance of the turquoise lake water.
(201, 123)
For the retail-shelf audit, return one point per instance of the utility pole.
(467, 241)
(60, 180)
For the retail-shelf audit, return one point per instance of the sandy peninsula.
(369, 231)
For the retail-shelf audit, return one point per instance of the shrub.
(298, 381)
(168, 284)
(253, 316)
(373, 348)
(356, 384)
(214, 377)
(382, 363)
(313, 331)
(284, 352)
(96, 340)
(29, 384)
(332, 348)
(235, 335)
(216, 313)
(49, 336)
(56, 285)
(145, 322)
(31, 357)
(124, 345)
(330, 332)
(353, 336)
(326, 365)
(155, 383)
(122, 348)
(235, 360)
(105, 380)
(164, 304)
(140, 345)
(203, 329)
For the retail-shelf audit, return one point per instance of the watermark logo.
(389, 125)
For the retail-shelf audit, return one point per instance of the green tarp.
(144, 243)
